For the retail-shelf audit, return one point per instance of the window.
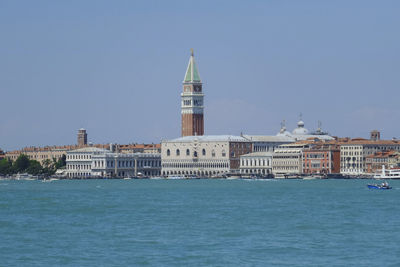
(204, 152)
(195, 154)
(213, 153)
(223, 153)
(178, 152)
(168, 152)
(187, 152)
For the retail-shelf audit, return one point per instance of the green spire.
(192, 73)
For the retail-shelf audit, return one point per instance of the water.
(198, 223)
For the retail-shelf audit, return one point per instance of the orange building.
(321, 160)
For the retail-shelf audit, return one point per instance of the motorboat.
(382, 186)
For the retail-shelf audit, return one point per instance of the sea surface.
(199, 223)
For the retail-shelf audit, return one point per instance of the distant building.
(41, 153)
(353, 153)
(79, 162)
(82, 137)
(139, 148)
(256, 163)
(207, 155)
(126, 165)
(302, 133)
(389, 159)
(321, 159)
(92, 162)
(267, 143)
(2, 154)
(287, 160)
(192, 105)
(375, 135)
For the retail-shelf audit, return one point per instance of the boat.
(49, 180)
(379, 186)
(175, 177)
(24, 176)
(313, 177)
(392, 173)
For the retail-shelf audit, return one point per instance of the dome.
(284, 133)
(300, 130)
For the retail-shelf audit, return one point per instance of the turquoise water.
(199, 223)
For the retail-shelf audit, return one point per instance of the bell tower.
(192, 104)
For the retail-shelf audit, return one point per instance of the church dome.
(300, 130)
(283, 131)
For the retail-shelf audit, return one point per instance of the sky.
(116, 68)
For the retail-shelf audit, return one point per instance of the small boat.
(383, 186)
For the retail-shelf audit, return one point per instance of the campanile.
(192, 105)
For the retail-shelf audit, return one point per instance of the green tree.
(48, 167)
(61, 162)
(21, 163)
(5, 166)
(46, 164)
(34, 167)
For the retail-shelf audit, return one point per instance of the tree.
(21, 163)
(61, 162)
(5, 166)
(34, 167)
(48, 167)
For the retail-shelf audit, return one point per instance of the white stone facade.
(79, 162)
(126, 165)
(91, 162)
(257, 163)
(203, 156)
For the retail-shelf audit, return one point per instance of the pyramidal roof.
(192, 73)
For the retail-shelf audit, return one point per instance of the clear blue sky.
(116, 68)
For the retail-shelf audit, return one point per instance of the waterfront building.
(256, 163)
(267, 143)
(126, 164)
(41, 153)
(389, 159)
(82, 137)
(139, 148)
(192, 101)
(205, 156)
(353, 153)
(321, 159)
(79, 162)
(287, 160)
(93, 162)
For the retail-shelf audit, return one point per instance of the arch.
(203, 152)
(168, 152)
(178, 152)
(187, 152)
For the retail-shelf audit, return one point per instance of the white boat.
(24, 176)
(392, 173)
